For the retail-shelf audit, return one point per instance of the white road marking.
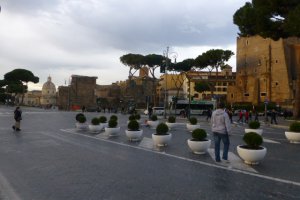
(191, 160)
(7, 191)
(270, 141)
(235, 161)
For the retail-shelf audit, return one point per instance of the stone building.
(31, 98)
(81, 92)
(48, 97)
(267, 71)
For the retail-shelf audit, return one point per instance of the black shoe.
(17, 129)
(14, 127)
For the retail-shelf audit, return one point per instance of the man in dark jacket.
(18, 118)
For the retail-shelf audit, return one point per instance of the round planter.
(112, 131)
(153, 124)
(134, 135)
(161, 140)
(104, 125)
(251, 156)
(171, 125)
(258, 131)
(81, 126)
(95, 128)
(191, 127)
(293, 137)
(199, 147)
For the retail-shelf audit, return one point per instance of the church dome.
(49, 87)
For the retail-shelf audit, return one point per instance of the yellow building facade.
(267, 71)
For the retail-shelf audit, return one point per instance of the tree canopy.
(269, 18)
(13, 81)
(213, 59)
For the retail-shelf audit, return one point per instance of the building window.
(276, 61)
(196, 95)
(276, 83)
(263, 94)
(246, 94)
(247, 42)
(231, 95)
(224, 89)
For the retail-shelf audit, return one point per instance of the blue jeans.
(225, 139)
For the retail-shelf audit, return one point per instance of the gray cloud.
(74, 35)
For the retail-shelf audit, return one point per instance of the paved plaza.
(50, 160)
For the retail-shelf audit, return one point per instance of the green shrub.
(131, 117)
(95, 121)
(253, 140)
(102, 119)
(199, 134)
(162, 129)
(81, 119)
(254, 124)
(78, 115)
(133, 125)
(295, 127)
(193, 120)
(112, 123)
(171, 119)
(137, 116)
(153, 118)
(113, 117)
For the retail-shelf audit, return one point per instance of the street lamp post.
(166, 54)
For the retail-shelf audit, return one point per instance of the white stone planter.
(112, 131)
(134, 135)
(161, 140)
(199, 147)
(171, 125)
(191, 127)
(293, 137)
(104, 125)
(81, 126)
(251, 156)
(95, 128)
(153, 124)
(258, 131)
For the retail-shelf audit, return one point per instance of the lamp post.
(166, 55)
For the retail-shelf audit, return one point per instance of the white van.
(156, 111)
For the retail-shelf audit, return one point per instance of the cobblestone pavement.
(50, 159)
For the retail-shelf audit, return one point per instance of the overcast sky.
(87, 37)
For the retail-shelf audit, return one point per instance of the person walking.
(221, 126)
(209, 112)
(273, 117)
(240, 116)
(246, 116)
(18, 118)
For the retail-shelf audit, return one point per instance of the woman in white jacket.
(220, 125)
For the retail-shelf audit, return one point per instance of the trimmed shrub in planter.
(193, 124)
(199, 134)
(254, 127)
(199, 144)
(133, 133)
(293, 135)
(253, 140)
(162, 129)
(252, 153)
(95, 121)
(95, 126)
(112, 123)
(171, 119)
(137, 116)
(131, 117)
(193, 120)
(133, 125)
(295, 127)
(153, 118)
(254, 124)
(161, 137)
(81, 119)
(112, 129)
(103, 119)
(78, 115)
(113, 117)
